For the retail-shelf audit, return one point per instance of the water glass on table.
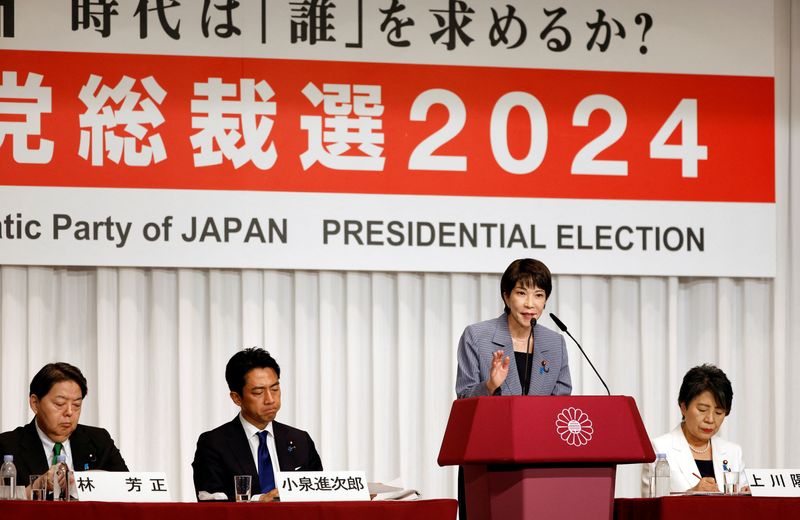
(38, 487)
(241, 487)
(731, 482)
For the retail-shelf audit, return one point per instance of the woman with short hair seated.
(697, 456)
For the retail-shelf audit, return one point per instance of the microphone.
(528, 353)
(560, 325)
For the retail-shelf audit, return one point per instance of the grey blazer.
(478, 342)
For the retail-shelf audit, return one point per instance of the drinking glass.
(38, 487)
(731, 482)
(241, 485)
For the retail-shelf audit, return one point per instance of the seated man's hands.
(269, 497)
(43, 482)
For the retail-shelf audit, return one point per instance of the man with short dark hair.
(253, 443)
(56, 397)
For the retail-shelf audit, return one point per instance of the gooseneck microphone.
(528, 354)
(560, 325)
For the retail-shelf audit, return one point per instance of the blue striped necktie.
(266, 476)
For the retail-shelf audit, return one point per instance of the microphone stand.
(563, 328)
(528, 354)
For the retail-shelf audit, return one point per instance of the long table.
(666, 508)
(444, 509)
(688, 507)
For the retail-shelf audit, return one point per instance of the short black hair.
(53, 373)
(243, 362)
(528, 273)
(703, 378)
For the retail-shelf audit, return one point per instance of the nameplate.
(774, 482)
(117, 486)
(322, 486)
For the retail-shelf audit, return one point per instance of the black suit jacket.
(224, 452)
(92, 448)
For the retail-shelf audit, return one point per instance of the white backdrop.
(368, 359)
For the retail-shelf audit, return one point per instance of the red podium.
(543, 457)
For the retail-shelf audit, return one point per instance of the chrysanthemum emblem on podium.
(574, 427)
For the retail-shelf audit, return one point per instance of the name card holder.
(774, 482)
(322, 486)
(117, 486)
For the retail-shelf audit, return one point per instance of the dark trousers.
(462, 502)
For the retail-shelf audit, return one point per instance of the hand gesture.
(498, 371)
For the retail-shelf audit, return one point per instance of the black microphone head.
(559, 323)
(533, 322)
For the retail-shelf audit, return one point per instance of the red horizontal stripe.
(735, 121)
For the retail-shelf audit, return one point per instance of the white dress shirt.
(49, 444)
(252, 438)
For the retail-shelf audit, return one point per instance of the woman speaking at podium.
(492, 354)
(697, 456)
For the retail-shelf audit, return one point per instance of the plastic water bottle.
(8, 478)
(61, 473)
(661, 486)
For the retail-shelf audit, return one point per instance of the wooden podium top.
(562, 430)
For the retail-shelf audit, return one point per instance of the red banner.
(393, 129)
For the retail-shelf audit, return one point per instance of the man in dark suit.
(253, 443)
(56, 396)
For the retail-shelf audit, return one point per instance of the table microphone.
(563, 328)
(528, 353)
